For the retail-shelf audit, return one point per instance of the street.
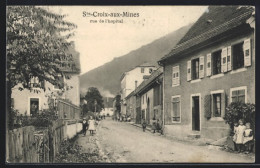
(122, 142)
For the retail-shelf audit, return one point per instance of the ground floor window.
(34, 106)
(176, 109)
(238, 95)
(216, 105)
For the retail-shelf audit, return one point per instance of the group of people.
(88, 125)
(243, 137)
(156, 126)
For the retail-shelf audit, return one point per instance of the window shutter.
(247, 52)
(224, 60)
(223, 104)
(173, 76)
(207, 106)
(188, 70)
(201, 68)
(177, 76)
(229, 65)
(209, 64)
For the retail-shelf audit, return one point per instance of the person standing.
(144, 125)
(91, 123)
(84, 126)
(154, 124)
(240, 135)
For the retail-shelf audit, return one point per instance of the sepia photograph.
(130, 84)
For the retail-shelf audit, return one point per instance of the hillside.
(107, 77)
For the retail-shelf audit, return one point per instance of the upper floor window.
(216, 59)
(238, 56)
(136, 82)
(35, 83)
(195, 68)
(142, 70)
(175, 76)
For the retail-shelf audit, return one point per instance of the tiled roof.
(152, 77)
(217, 21)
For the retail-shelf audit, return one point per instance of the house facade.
(30, 102)
(132, 79)
(212, 66)
(150, 98)
(108, 106)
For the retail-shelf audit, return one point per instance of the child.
(84, 126)
(240, 135)
(91, 123)
(248, 138)
(235, 134)
(144, 125)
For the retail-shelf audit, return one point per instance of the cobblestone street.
(122, 142)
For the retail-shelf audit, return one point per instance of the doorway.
(195, 113)
(34, 106)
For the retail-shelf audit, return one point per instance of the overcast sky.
(99, 43)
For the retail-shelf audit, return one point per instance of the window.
(195, 69)
(142, 70)
(238, 56)
(217, 105)
(60, 81)
(157, 95)
(34, 106)
(35, 83)
(238, 96)
(216, 59)
(175, 76)
(176, 109)
(136, 82)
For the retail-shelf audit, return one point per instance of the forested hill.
(107, 77)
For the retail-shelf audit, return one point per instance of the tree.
(93, 95)
(37, 41)
(118, 104)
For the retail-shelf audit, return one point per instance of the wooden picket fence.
(27, 145)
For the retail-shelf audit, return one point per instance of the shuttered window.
(176, 109)
(238, 56)
(175, 76)
(216, 65)
(195, 68)
(35, 83)
(209, 64)
(247, 52)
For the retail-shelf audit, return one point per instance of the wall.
(22, 98)
(213, 129)
(147, 95)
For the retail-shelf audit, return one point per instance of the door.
(148, 112)
(195, 113)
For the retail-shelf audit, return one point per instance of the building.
(108, 106)
(150, 98)
(212, 66)
(131, 106)
(131, 79)
(30, 102)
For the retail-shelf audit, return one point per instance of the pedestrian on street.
(84, 126)
(91, 124)
(144, 125)
(154, 125)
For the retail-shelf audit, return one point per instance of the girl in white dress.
(91, 124)
(240, 135)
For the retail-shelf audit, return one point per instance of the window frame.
(176, 96)
(236, 89)
(176, 75)
(195, 68)
(213, 62)
(233, 55)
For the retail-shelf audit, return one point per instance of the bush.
(238, 110)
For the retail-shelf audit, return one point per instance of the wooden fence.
(26, 145)
(67, 110)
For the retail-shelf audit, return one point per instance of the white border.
(192, 95)
(179, 96)
(238, 88)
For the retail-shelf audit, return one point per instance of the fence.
(26, 145)
(67, 110)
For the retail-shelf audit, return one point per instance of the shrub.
(238, 110)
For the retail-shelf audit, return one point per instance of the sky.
(99, 43)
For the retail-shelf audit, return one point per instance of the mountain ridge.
(111, 72)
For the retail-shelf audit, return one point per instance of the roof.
(149, 81)
(215, 21)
